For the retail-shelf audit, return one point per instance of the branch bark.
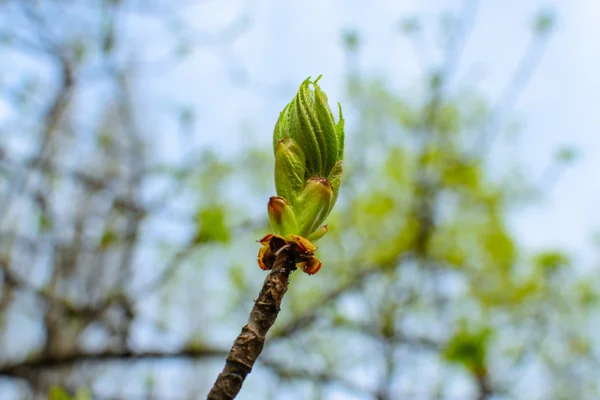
(249, 344)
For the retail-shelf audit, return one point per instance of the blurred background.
(136, 164)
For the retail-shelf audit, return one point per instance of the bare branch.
(35, 365)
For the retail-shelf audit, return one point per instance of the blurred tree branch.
(32, 367)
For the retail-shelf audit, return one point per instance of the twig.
(249, 344)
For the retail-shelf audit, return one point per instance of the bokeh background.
(136, 164)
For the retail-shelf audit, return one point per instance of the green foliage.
(398, 166)
(499, 247)
(468, 348)
(551, 260)
(211, 224)
(587, 293)
(58, 393)
(462, 174)
(449, 119)
(45, 223)
(109, 237)
(447, 247)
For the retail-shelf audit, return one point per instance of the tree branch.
(249, 344)
(34, 365)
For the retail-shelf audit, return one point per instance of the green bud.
(281, 215)
(309, 149)
(335, 178)
(326, 129)
(282, 128)
(289, 169)
(308, 120)
(318, 234)
(341, 136)
(314, 204)
(304, 129)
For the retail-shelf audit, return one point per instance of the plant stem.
(250, 342)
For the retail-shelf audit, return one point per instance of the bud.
(267, 253)
(266, 258)
(310, 266)
(305, 248)
(335, 178)
(309, 149)
(318, 234)
(302, 249)
(289, 169)
(281, 215)
(314, 204)
(308, 120)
